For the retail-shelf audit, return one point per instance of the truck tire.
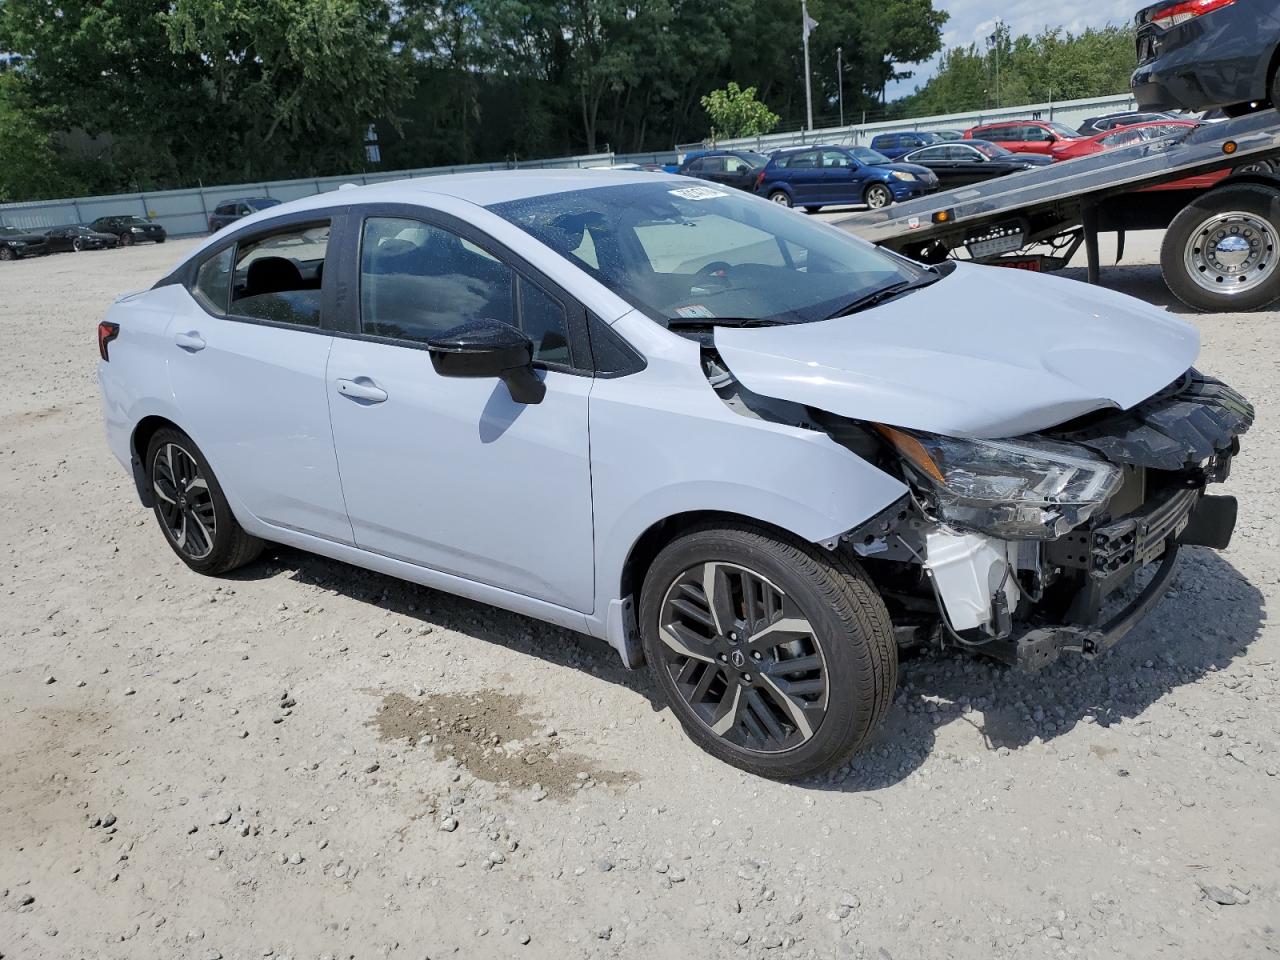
(1222, 252)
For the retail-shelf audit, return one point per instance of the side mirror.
(489, 348)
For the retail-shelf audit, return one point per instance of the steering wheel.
(717, 271)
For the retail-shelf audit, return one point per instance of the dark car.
(814, 177)
(733, 168)
(229, 211)
(1195, 54)
(130, 230)
(894, 145)
(972, 161)
(77, 238)
(16, 244)
(1110, 121)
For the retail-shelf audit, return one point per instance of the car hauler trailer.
(1221, 249)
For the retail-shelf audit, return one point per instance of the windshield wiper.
(884, 293)
(680, 323)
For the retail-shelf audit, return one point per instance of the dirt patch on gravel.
(494, 737)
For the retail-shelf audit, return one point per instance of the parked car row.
(105, 233)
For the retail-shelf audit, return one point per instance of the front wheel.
(77, 245)
(782, 197)
(1220, 253)
(878, 196)
(126, 239)
(7, 254)
(192, 509)
(775, 656)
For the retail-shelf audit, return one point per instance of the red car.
(1023, 136)
(1138, 133)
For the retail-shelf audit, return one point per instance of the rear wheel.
(782, 197)
(192, 509)
(1221, 252)
(774, 656)
(878, 196)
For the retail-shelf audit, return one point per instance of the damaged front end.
(1028, 548)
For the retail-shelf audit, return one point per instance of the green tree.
(33, 168)
(735, 112)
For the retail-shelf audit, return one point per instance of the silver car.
(732, 442)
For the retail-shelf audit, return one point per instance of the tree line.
(102, 96)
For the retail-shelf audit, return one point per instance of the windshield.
(1062, 131)
(990, 149)
(867, 155)
(9, 232)
(133, 221)
(702, 253)
(263, 203)
(757, 160)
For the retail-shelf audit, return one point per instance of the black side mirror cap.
(489, 348)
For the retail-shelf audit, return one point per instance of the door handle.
(191, 342)
(362, 388)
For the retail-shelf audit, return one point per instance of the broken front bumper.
(1108, 557)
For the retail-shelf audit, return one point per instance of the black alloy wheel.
(192, 509)
(183, 501)
(775, 656)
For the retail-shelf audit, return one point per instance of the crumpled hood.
(984, 352)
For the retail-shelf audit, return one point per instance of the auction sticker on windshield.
(698, 193)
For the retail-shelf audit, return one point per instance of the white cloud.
(972, 21)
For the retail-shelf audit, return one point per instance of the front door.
(450, 473)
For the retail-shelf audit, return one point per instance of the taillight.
(107, 332)
(1177, 13)
(759, 179)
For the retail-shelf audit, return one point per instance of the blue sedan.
(814, 177)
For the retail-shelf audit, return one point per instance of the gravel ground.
(306, 760)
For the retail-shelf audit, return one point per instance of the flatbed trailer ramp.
(1222, 244)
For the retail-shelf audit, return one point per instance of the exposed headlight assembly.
(902, 175)
(1011, 489)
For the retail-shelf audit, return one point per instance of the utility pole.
(808, 25)
(840, 80)
(999, 24)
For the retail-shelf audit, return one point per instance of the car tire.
(1201, 256)
(161, 240)
(77, 245)
(126, 239)
(878, 196)
(781, 197)
(192, 509)
(726, 687)
(6, 253)
(812, 209)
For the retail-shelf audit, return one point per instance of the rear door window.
(213, 281)
(278, 275)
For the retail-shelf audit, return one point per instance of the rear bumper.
(1192, 78)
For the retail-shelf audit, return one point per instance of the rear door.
(247, 366)
(449, 473)
(804, 174)
(841, 178)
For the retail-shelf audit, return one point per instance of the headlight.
(135, 229)
(902, 175)
(1009, 489)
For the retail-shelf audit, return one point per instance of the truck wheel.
(774, 655)
(1220, 253)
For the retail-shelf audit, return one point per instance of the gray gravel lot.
(300, 761)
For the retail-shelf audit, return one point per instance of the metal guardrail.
(186, 212)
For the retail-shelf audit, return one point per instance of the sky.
(972, 21)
